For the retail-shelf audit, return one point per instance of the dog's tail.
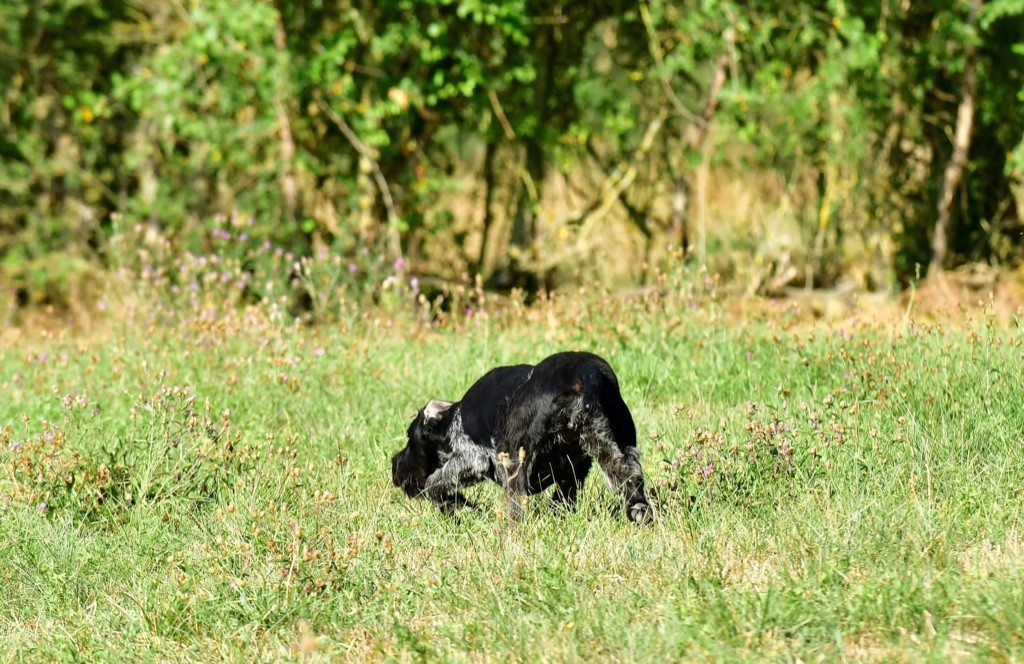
(600, 394)
(595, 381)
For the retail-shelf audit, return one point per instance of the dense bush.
(500, 137)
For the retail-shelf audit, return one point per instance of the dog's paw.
(641, 513)
(452, 503)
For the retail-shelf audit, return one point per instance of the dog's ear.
(435, 409)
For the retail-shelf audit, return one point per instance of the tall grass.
(210, 480)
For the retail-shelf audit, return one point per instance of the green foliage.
(338, 123)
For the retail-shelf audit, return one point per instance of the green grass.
(863, 498)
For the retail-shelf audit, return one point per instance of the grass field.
(218, 487)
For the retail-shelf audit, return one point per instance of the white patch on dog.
(473, 460)
(435, 408)
(465, 465)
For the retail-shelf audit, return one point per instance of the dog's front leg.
(451, 503)
(442, 487)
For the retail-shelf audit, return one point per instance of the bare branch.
(510, 134)
(714, 89)
(636, 215)
(659, 58)
(961, 145)
(378, 175)
(619, 179)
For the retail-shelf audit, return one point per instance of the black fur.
(527, 428)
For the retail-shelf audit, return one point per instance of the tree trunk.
(521, 271)
(289, 189)
(961, 146)
(488, 221)
(524, 230)
(693, 138)
(700, 231)
(697, 143)
(679, 200)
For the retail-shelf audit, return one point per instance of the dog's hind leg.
(512, 473)
(620, 465)
(569, 482)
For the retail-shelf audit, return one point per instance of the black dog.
(527, 427)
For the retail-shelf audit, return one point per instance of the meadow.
(211, 481)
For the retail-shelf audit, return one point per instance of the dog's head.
(411, 467)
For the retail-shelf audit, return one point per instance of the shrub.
(171, 449)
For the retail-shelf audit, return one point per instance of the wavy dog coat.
(527, 428)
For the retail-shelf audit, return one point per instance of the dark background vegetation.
(532, 143)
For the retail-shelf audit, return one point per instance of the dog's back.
(487, 398)
(572, 384)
